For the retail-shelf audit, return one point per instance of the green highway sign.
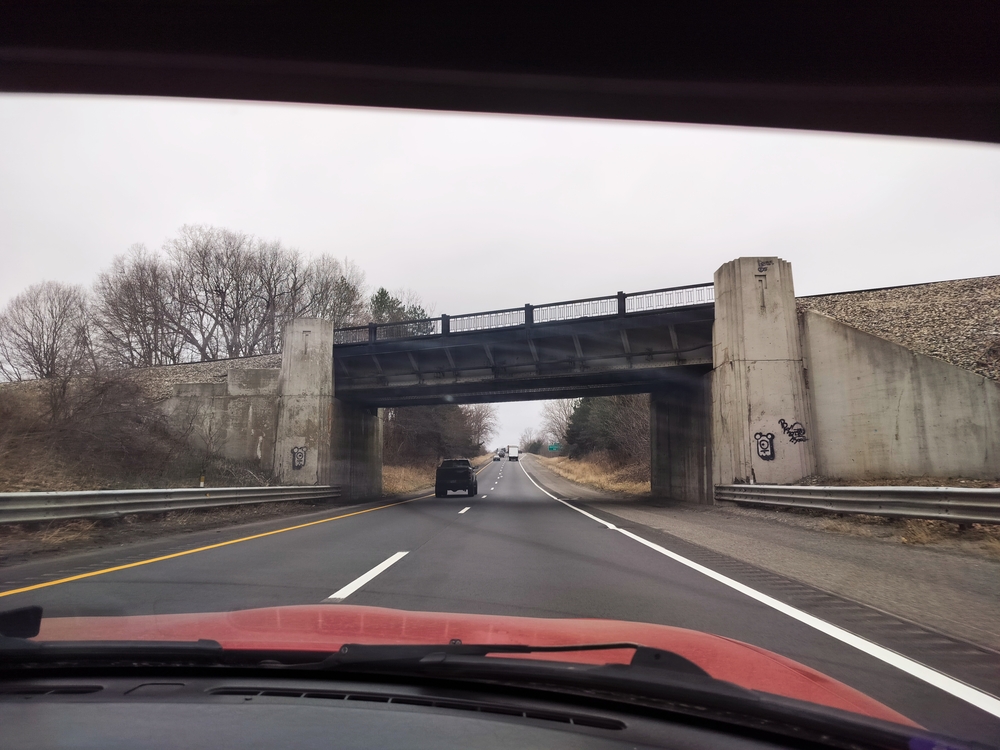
(554, 447)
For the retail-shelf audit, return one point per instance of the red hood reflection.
(325, 627)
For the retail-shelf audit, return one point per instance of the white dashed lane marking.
(367, 577)
(463, 510)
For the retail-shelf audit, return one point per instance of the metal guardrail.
(957, 504)
(618, 304)
(19, 507)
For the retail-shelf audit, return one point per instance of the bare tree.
(44, 333)
(556, 416)
(232, 292)
(483, 422)
(623, 421)
(131, 312)
(336, 291)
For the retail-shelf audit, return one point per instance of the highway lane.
(512, 549)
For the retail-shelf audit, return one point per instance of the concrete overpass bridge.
(669, 343)
(743, 387)
(623, 343)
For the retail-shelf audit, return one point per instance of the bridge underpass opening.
(719, 361)
(656, 342)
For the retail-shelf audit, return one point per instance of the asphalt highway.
(513, 549)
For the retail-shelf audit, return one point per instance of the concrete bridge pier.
(357, 449)
(320, 439)
(761, 422)
(680, 442)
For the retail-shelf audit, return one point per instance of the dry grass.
(924, 532)
(403, 480)
(846, 527)
(974, 538)
(991, 546)
(63, 532)
(600, 472)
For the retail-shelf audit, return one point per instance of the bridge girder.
(594, 356)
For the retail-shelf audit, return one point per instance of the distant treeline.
(617, 427)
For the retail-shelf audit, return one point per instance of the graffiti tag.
(796, 431)
(765, 445)
(298, 457)
(762, 265)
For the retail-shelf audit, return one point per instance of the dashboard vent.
(44, 690)
(580, 720)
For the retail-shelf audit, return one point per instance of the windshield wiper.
(18, 625)
(355, 654)
(24, 622)
(651, 672)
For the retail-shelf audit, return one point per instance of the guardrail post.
(372, 333)
(621, 303)
(445, 324)
(529, 315)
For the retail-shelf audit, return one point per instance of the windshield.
(729, 393)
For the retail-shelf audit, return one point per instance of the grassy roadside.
(601, 473)
(402, 480)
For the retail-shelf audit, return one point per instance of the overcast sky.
(476, 212)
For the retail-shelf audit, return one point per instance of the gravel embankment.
(957, 321)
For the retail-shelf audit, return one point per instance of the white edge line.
(362, 580)
(978, 698)
(463, 510)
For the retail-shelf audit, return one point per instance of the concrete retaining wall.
(882, 410)
(236, 418)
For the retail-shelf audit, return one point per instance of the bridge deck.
(531, 353)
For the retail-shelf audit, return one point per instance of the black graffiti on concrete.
(762, 265)
(765, 445)
(298, 457)
(796, 431)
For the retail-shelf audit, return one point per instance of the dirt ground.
(975, 539)
(21, 542)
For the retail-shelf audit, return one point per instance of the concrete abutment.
(320, 439)
(761, 423)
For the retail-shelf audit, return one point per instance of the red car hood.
(325, 627)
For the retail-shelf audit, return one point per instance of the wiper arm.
(19, 652)
(18, 625)
(652, 673)
(360, 654)
(24, 622)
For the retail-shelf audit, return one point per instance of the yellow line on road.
(200, 549)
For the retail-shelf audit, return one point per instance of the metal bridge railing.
(595, 307)
(584, 308)
(665, 298)
(487, 320)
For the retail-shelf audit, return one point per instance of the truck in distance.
(455, 474)
(512, 453)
